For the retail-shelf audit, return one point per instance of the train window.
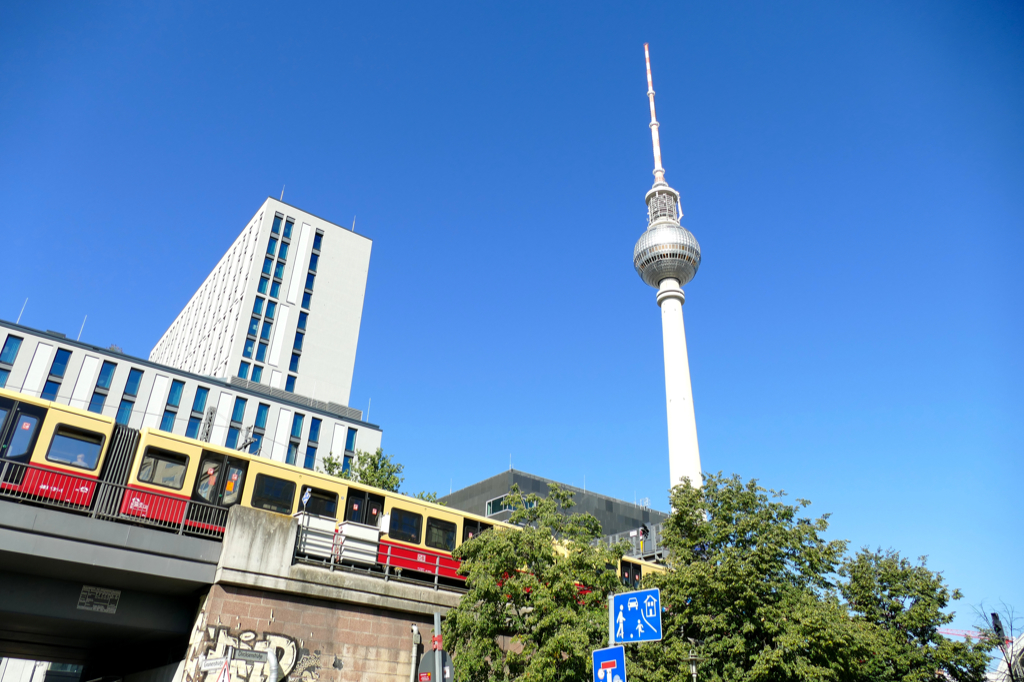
(274, 494)
(207, 479)
(441, 534)
(233, 482)
(75, 447)
(163, 468)
(405, 526)
(630, 573)
(356, 506)
(24, 437)
(471, 529)
(321, 502)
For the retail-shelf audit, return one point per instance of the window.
(75, 447)
(405, 526)
(276, 228)
(350, 440)
(256, 444)
(262, 412)
(293, 452)
(233, 485)
(163, 468)
(265, 332)
(289, 384)
(23, 438)
(257, 374)
(288, 229)
(7, 357)
(471, 529)
(235, 428)
(314, 261)
(207, 478)
(261, 352)
(346, 465)
(239, 411)
(257, 307)
(321, 502)
(271, 246)
(195, 421)
(57, 370)
(271, 309)
(293, 366)
(99, 395)
(275, 289)
(199, 403)
(317, 241)
(314, 430)
(283, 251)
(131, 389)
(248, 348)
(306, 298)
(297, 425)
(441, 534)
(10, 351)
(268, 265)
(303, 316)
(298, 341)
(310, 278)
(254, 326)
(279, 270)
(171, 410)
(243, 370)
(264, 283)
(310, 457)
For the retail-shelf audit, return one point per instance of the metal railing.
(110, 501)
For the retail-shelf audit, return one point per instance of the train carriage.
(49, 451)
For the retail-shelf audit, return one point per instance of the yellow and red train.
(62, 456)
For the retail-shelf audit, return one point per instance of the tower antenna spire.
(659, 172)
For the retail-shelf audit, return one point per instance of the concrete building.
(667, 257)
(138, 393)
(281, 309)
(489, 498)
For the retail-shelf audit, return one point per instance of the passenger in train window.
(75, 447)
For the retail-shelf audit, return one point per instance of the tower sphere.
(667, 249)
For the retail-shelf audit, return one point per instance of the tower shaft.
(683, 453)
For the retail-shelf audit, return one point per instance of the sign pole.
(438, 670)
(611, 620)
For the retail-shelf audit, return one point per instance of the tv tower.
(667, 257)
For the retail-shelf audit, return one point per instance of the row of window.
(7, 357)
(300, 332)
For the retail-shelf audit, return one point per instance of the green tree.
(376, 469)
(535, 606)
(904, 603)
(750, 579)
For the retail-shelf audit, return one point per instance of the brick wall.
(314, 639)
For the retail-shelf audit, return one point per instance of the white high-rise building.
(281, 309)
(667, 257)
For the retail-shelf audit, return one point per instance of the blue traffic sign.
(610, 664)
(635, 617)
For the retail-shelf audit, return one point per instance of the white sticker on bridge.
(98, 599)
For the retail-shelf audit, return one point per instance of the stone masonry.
(335, 626)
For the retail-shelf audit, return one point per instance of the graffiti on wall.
(295, 663)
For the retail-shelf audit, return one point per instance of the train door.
(219, 483)
(365, 508)
(19, 430)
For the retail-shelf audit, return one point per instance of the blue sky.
(854, 174)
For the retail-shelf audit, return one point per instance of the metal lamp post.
(694, 659)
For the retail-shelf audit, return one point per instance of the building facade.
(489, 498)
(139, 393)
(281, 309)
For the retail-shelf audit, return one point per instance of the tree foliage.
(536, 604)
(377, 469)
(761, 590)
